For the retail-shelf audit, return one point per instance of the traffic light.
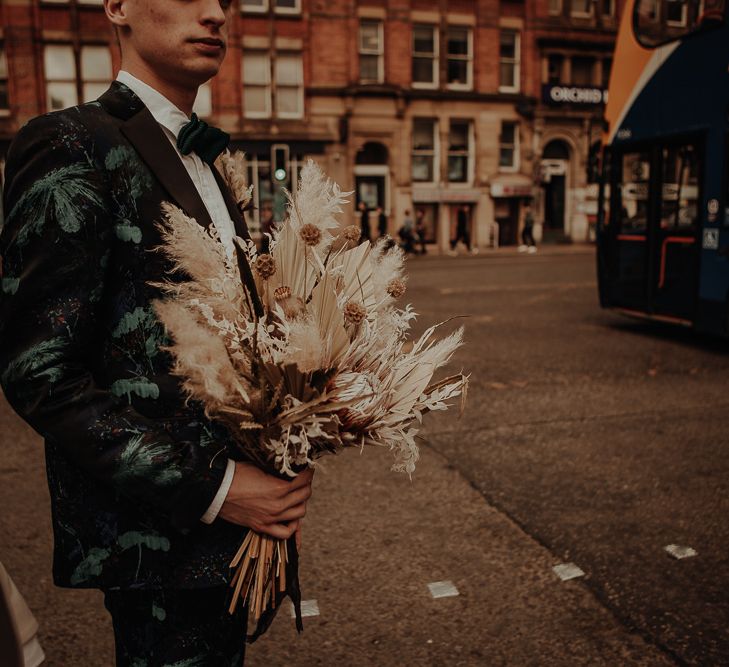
(280, 164)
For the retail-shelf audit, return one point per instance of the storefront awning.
(512, 185)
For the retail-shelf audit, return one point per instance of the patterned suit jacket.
(131, 467)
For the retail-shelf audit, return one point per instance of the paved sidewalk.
(373, 541)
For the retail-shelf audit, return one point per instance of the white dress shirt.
(171, 120)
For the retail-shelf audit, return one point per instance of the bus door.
(630, 211)
(674, 234)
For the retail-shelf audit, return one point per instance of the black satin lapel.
(241, 229)
(149, 139)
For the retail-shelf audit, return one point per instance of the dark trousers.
(527, 236)
(162, 628)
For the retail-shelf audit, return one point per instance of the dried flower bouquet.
(327, 366)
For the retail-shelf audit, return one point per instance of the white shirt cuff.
(220, 496)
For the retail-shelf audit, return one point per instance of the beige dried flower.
(396, 288)
(352, 233)
(265, 266)
(354, 313)
(310, 234)
(292, 306)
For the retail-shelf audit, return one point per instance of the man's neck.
(182, 98)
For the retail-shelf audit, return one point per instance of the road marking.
(308, 608)
(443, 589)
(567, 571)
(680, 552)
(445, 291)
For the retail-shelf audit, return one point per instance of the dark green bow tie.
(208, 142)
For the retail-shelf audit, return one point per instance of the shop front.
(438, 210)
(510, 193)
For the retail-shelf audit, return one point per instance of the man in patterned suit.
(147, 505)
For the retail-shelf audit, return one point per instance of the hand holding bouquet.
(326, 366)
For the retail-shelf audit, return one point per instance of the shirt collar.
(164, 112)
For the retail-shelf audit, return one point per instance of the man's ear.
(116, 12)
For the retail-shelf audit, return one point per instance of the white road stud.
(567, 571)
(443, 589)
(680, 552)
(308, 608)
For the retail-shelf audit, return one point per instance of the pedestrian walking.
(407, 233)
(381, 222)
(420, 231)
(364, 222)
(462, 229)
(147, 505)
(527, 233)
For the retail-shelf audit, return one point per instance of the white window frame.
(516, 61)
(300, 87)
(684, 16)
(558, 10)
(288, 10)
(468, 58)
(435, 57)
(247, 113)
(84, 80)
(263, 9)
(435, 152)
(581, 14)
(515, 166)
(47, 81)
(469, 153)
(379, 51)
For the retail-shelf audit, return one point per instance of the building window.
(510, 56)
(4, 99)
(509, 146)
(460, 57)
(96, 71)
(459, 151)
(676, 13)
(424, 150)
(256, 85)
(258, 6)
(583, 71)
(287, 6)
(371, 50)
(425, 56)
(555, 69)
(60, 71)
(581, 7)
(62, 88)
(607, 8)
(289, 85)
(555, 7)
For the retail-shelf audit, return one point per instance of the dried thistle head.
(396, 288)
(265, 266)
(352, 233)
(310, 234)
(282, 293)
(354, 313)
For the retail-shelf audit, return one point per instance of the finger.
(302, 479)
(280, 531)
(291, 514)
(294, 498)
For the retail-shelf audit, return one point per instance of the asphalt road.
(588, 438)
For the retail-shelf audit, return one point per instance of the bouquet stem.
(260, 579)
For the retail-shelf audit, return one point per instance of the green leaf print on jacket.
(140, 459)
(142, 387)
(66, 192)
(40, 361)
(130, 179)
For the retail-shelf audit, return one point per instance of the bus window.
(656, 22)
(680, 190)
(633, 189)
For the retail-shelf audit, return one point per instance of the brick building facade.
(425, 106)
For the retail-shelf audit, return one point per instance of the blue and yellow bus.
(663, 232)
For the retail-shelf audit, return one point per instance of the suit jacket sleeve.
(56, 246)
